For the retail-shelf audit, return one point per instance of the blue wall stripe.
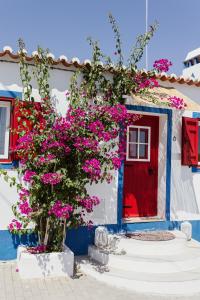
(10, 94)
(79, 239)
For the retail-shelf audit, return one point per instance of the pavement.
(81, 287)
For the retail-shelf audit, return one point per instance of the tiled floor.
(79, 288)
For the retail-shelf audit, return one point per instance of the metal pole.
(146, 21)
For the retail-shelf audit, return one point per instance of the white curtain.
(2, 129)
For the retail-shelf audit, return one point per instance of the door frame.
(150, 111)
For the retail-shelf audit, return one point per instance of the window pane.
(133, 150)
(143, 135)
(199, 144)
(143, 151)
(2, 129)
(133, 135)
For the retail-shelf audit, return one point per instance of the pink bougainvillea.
(51, 178)
(162, 65)
(28, 175)
(93, 168)
(37, 249)
(25, 208)
(60, 210)
(177, 102)
(15, 226)
(89, 202)
(148, 83)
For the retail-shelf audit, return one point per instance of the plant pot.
(42, 265)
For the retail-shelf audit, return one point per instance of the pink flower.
(149, 83)
(89, 202)
(82, 143)
(28, 175)
(37, 249)
(24, 208)
(116, 161)
(60, 210)
(51, 178)
(15, 225)
(23, 194)
(162, 65)
(96, 127)
(93, 168)
(177, 102)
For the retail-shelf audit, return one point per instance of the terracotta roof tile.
(7, 54)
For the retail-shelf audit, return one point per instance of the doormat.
(151, 236)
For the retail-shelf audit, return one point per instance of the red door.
(141, 168)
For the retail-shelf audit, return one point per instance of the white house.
(191, 64)
(157, 187)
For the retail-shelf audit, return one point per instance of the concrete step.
(158, 248)
(184, 284)
(152, 266)
(160, 268)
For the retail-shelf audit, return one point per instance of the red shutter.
(189, 141)
(20, 123)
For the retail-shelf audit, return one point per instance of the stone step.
(153, 266)
(158, 248)
(182, 283)
(153, 277)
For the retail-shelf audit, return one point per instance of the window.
(138, 143)
(4, 129)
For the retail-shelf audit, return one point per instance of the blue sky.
(63, 26)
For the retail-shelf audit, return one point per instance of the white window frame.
(6, 104)
(148, 144)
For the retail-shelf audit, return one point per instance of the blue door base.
(79, 239)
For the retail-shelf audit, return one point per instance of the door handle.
(150, 171)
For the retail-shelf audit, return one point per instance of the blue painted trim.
(168, 164)
(157, 110)
(196, 115)
(120, 194)
(10, 94)
(79, 239)
(9, 166)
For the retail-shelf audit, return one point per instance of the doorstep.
(143, 219)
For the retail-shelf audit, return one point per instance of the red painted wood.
(189, 141)
(141, 178)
